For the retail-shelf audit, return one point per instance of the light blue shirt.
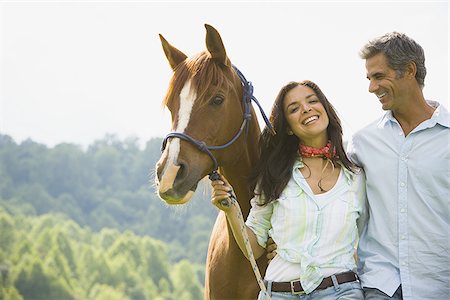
(317, 234)
(406, 240)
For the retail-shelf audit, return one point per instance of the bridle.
(203, 147)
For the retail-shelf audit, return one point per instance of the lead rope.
(242, 228)
(248, 247)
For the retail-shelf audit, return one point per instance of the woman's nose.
(306, 109)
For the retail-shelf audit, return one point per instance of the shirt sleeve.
(362, 197)
(351, 151)
(259, 220)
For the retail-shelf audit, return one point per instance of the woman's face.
(306, 116)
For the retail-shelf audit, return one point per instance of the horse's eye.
(216, 100)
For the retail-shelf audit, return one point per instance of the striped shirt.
(317, 234)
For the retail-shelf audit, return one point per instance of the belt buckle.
(293, 291)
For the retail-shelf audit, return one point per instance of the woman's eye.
(217, 100)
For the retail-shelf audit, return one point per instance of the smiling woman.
(309, 198)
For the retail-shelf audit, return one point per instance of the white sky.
(72, 71)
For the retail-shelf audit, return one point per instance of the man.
(404, 250)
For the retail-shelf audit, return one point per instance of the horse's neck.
(238, 174)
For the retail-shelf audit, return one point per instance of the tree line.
(50, 257)
(107, 185)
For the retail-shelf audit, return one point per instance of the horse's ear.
(215, 46)
(174, 56)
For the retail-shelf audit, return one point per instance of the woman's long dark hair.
(279, 151)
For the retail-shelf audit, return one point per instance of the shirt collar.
(298, 164)
(440, 116)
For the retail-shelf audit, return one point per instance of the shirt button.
(404, 263)
(402, 184)
(403, 237)
(402, 210)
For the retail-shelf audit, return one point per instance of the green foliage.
(58, 259)
(7, 233)
(36, 283)
(87, 224)
(10, 293)
(106, 292)
(184, 280)
(108, 185)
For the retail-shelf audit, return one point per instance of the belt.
(295, 286)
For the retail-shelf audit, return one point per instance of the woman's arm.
(221, 191)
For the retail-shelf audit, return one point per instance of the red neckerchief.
(307, 151)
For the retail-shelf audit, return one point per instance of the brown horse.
(205, 98)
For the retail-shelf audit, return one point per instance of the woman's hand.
(221, 194)
(271, 249)
(224, 199)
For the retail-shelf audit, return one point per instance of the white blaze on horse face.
(187, 98)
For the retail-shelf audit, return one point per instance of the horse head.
(204, 98)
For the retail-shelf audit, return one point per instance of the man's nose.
(373, 86)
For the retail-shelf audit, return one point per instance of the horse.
(210, 104)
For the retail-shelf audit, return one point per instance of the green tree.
(185, 281)
(36, 195)
(9, 293)
(157, 261)
(106, 292)
(36, 284)
(7, 233)
(23, 163)
(56, 263)
(107, 161)
(69, 206)
(68, 170)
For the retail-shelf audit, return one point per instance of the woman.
(309, 198)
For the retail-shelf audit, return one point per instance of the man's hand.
(271, 249)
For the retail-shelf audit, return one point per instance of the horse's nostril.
(158, 173)
(182, 171)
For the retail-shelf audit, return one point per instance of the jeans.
(343, 291)
(376, 294)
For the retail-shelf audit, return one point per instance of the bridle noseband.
(203, 147)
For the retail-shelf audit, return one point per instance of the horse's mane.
(206, 76)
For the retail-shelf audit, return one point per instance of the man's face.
(385, 82)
